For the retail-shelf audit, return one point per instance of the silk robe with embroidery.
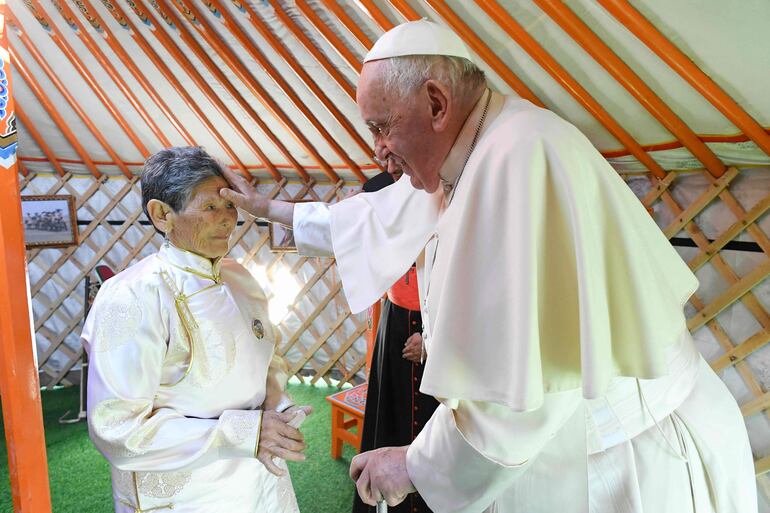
(180, 350)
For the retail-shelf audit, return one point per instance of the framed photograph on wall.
(49, 221)
(282, 237)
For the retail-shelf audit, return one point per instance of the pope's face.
(205, 224)
(404, 138)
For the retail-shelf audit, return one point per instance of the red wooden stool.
(349, 403)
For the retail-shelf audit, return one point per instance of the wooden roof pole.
(87, 9)
(186, 97)
(52, 76)
(475, 43)
(377, 15)
(572, 86)
(39, 140)
(287, 56)
(239, 69)
(405, 10)
(322, 59)
(232, 59)
(56, 118)
(603, 54)
(88, 77)
(646, 32)
(327, 34)
(348, 23)
(168, 15)
(19, 382)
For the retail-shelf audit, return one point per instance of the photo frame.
(282, 237)
(50, 221)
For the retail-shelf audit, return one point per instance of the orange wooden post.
(19, 385)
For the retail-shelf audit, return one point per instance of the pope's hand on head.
(243, 194)
(413, 349)
(278, 439)
(381, 475)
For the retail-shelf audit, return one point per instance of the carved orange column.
(19, 384)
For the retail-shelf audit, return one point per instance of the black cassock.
(403, 410)
(396, 411)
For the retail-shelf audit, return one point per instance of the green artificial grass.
(80, 476)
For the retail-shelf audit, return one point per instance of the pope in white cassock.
(185, 395)
(552, 304)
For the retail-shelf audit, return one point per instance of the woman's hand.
(277, 438)
(413, 350)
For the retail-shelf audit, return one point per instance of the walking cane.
(382, 506)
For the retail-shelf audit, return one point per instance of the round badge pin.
(258, 328)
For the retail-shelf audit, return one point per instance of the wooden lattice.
(732, 292)
(321, 339)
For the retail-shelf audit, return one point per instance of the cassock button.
(258, 328)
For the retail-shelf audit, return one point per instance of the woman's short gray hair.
(172, 174)
(405, 74)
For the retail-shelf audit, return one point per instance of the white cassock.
(554, 330)
(180, 350)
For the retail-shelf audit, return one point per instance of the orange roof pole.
(213, 96)
(19, 382)
(56, 118)
(562, 76)
(406, 10)
(160, 64)
(348, 22)
(53, 77)
(64, 46)
(237, 67)
(376, 14)
(235, 64)
(117, 48)
(279, 47)
(39, 140)
(476, 44)
(322, 59)
(634, 21)
(328, 34)
(590, 42)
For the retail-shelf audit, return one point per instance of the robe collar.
(456, 158)
(190, 262)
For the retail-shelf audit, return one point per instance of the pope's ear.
(440, 104)
(161, 215)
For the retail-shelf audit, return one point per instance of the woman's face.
(205, 224)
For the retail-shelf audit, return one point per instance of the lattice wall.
(320, 337)
(724, 220)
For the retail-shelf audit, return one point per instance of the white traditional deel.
(180, 350)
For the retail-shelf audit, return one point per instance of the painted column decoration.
(19, 383)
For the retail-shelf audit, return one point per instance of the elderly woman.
(185, 393)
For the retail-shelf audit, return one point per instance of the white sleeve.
(312, 229)
(126, 337)
(465, 458)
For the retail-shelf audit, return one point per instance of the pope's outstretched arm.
(311, 221)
